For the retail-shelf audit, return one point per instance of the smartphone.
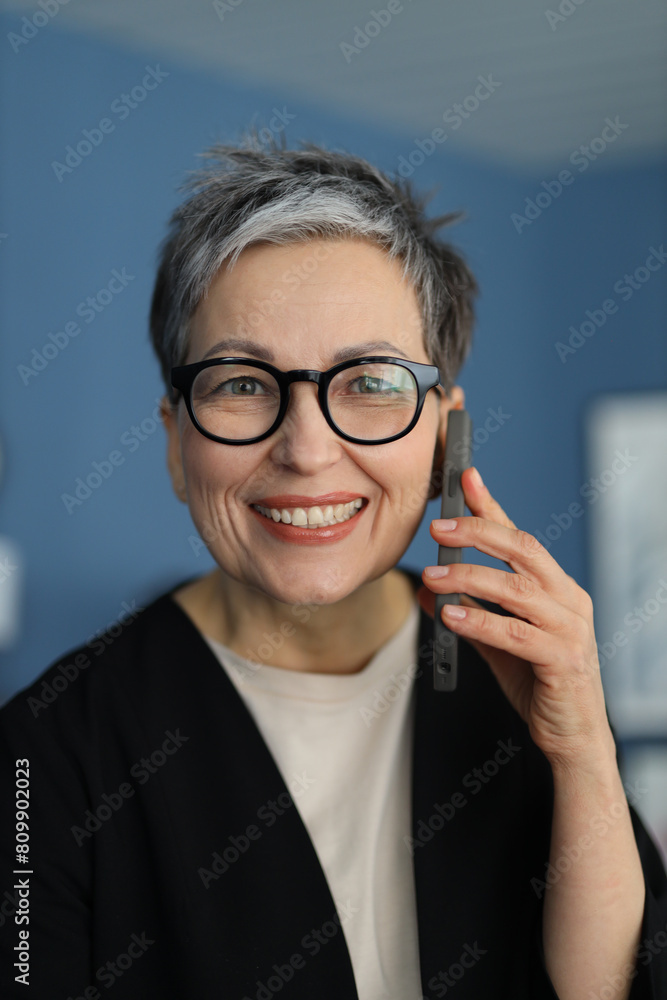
(457, 458)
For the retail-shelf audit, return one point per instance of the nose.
(304, 439)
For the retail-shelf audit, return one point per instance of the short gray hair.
(260, 192)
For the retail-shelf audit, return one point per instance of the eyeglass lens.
(369, 401)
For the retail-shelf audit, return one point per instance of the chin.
(313, 585)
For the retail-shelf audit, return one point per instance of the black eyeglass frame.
(426, 376)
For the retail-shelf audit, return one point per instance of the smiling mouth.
(313, 517)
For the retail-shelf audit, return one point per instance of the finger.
(521, 639)
(512, 591)
(512, 674)
(498, 659)
(426, 600)
(519, 549)
(479, 500)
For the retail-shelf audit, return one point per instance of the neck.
(338, 638)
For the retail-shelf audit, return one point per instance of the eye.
(368, 384)
(375, 385)
(372, 385)
(242, 386)
(230, 385)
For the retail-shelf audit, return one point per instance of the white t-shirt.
(343, 744)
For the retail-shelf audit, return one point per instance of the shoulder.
(97, 673)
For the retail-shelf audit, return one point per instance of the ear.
(455, 401)
(169, 414)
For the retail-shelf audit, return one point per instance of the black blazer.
(169, 861)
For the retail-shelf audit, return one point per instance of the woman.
(254, 789)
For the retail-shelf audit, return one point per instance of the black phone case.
(457, 458)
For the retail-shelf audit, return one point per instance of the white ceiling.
(557, 85)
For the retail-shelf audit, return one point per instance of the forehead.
(310, 297)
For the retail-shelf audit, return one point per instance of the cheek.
(214, 472)
(404, 475)
(215, 475)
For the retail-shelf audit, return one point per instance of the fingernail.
(476, 479)
(454, 611)
(446, 524)
(436, 571)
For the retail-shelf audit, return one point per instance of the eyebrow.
(344, 354)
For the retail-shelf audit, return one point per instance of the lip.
(310, 536)
(297, 500)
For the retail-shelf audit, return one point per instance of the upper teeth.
(312, 517)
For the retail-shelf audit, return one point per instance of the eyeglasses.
(370, 400)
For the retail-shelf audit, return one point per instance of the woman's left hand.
(544, 655)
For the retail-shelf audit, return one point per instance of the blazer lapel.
(256, 895)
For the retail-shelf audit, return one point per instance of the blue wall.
(129, 540)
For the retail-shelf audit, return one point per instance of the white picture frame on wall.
(626, 491)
